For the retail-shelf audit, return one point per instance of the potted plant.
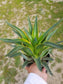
(32, 46)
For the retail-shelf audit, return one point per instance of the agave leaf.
(14, 50)
(17, 33)
(44, 39)
(44, 52)
(20, 54)
(25, 57)
(25, 63)
(47, 67)
(48, 58)
(51, 34)
(38, 63)
(39, 48)
(40, 34)
(11, 40)
(13, 45)
(35, 30)
(46, 33)
(30, 26)
(18, 30)
(19, 41)
(15, 54)
(34, 41)
(53, 45)
(28, 51)
(59, 42)
(28, 34)
(27, 43)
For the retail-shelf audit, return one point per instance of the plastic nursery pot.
(29, 64)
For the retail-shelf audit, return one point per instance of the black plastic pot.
(33, 62)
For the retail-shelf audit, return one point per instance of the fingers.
(34, 69)
(27, 68)
(44, 70)
(44, 74)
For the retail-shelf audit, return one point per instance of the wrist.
(41, 75)
(35, 75)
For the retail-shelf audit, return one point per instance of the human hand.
(33, 69)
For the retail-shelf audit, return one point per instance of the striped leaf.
(35, 30)
(53, 45)
(47, 67)
(51, 34)
(38, 63)
(11, 40)
(25, 63)
(34, 41)
(26, 43)
(14, 50)
(17, 30)
(19, 54)
(28, 51)
(59, 42)
(17, 33)
(46, 33)
(39, 47)
(48, 58)
(40, 34)
(13, 45)
(25, 57)
(44, 52)
(19, 41)
(30, 26)
(28, 34)
(15, 54)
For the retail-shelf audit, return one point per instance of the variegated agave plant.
(32, 46)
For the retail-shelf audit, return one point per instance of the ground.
(17, 12)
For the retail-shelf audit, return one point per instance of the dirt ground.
(10, 69)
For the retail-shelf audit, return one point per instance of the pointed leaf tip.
(35, 30)
(30, 25)
(18, 30)
(46, 33)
